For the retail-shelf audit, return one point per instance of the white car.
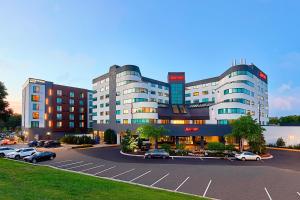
(5, 150)
(21, 153)
(247, 156)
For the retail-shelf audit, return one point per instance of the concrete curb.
(284, 149)
(111, 179)
(267, 158)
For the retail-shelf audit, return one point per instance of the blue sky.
(71, 42)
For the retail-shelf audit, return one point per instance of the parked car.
(8, 141)
(33, 143)
(40, 156)
(247, 156)
(21, 153)
(40, 143)
(157, 153)
(5, 150)
(51, 143)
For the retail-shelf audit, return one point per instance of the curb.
(112, 179)
(284, 149)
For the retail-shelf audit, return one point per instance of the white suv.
(5, 150)
(21, 153)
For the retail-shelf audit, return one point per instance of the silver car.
(157, 153)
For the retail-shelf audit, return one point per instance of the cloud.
(285, 88)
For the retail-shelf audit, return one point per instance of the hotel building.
(124, 99)
(49, 111)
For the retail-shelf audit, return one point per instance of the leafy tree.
(150, 131)
(5, 111)
(110, 137)
(14, 122)
(128, 143)
(217, 146)
(246, 128)
(166, 147)
(274, 120)
(280, 142)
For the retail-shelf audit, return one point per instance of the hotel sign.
(191, 129)
(262, 75)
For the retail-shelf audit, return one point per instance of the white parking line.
(105, 170)
(140, 176)
(182, 183)
(268, 194)
(123, 173)
(70, 164)
(80, 166)
(62, 161)
(298, 193)
(159, 179)
(92, 168)
(206, 188)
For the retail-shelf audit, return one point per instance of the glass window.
(101, 105)
(58, 124)
(81, 124)
(81, 102)
(59, 92)
(71, 109)
(231, 111)
(35, 98)
(125, 111)
(58, 100)
(34, 124)
(143, 121)
(160, 86)
(205, 100)
(36, 89)
(81, 110)
(58, 108)
(118, 102)
(118, 121)
(72, 101)
(153, 92)
(81, 117)
(118, 112)
(71, 124)
(125, 121)
(71, 116)
(187, 94)
(177, 92)
(72, 94)
(196, 94)
(153, 85)
(35, 115)
(81, 95)
(35, 106)
(204, 92)
(59, 116)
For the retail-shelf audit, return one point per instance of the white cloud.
(285, 88)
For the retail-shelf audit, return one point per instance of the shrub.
(180, 146)
(217, 146)
(280, 142)
(82, 146)
(70, 139)
(110, 137)
(230, 147)
(166, 147)
(128, 144)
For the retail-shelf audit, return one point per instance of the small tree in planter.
(150, 131)
(166, 147)
(110, 137)
(280, 142)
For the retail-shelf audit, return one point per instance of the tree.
(5, 111)
(110, 136)
(280, 142)
(274, 120)
(150, 131)
(246, 128)
(14, 122)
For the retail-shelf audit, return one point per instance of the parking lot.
(219, 179)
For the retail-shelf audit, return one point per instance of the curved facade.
(125, 99)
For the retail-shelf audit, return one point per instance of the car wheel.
(164, 157)
(258, 159)
(243, 158)
(149, 156)
(34, 161)
(51, 158)
(17, 157)
(2, 154)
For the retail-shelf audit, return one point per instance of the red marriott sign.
(191, 129)
(263, 75)
(176, 78)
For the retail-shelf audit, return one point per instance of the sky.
(72, 42)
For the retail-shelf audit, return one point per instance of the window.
(135, 90)
(58, 124)
(126, 73)
(143, 121)
(71, 109)
(72, 94)
(72, 101)
(107, 96)
(166, 88)
(239, 100)
(34, 124)
(125, 121)
(101, 105)
(81, 110)
(223, 121)
(50, 124)
(153, 85)
(188, 102)
(127, 101)
(50, 92)
(59, 116)
(196, 94)
(106, 104)
(81, 124)
(59, 92)
(118, 112)
(35, 115)
(36, 89)
(187, 94)
(153, 92)
(177, 92)
(58, 100)
(81, 95)
(118, 121)
(205, 92)
(118, 102)
(237, 90)
(125, 111)
(196, 101)
(205, 100)
(81, 102)
(81, 117)
(237, 73)
(58, 108)
(231, 111)
(71, 124)
(106, 112)
(160, 86)
(35, 98)
(144, 110)
(71, 116)
(35, 106)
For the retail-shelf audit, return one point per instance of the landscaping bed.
(25, 181)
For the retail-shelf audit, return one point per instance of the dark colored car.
(40, 156)
(157, 153)
(51, 143)
(33, 143)
(41, 143)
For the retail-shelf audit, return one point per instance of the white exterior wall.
(290, 134)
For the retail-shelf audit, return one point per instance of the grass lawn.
(20, 181)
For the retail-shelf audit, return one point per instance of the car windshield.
(18, 150)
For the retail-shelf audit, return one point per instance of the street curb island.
(190, 157)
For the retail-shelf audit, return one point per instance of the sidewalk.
(69, 146)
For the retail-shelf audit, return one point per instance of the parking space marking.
(159, 179)
(123, 173)
(298, 193)
(268, 194)
(206, 188)
(140, 176)
(92, 168)
(105, 170)
(79, 166)
(70, 164)
(62, 161)
(182, 183)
